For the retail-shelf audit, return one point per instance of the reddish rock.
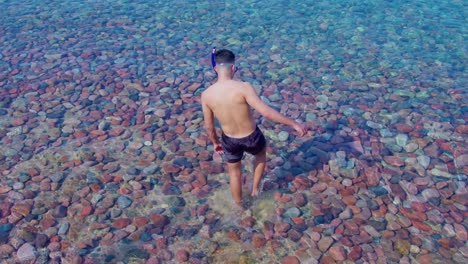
(282, 227)
(421, 217)
(424, 258)
(170, 168)
(5, 189)
(248, 221)
(258, 240)
(337, 253)
(193, 87)
(394, 161)
(232, 235)
(300, 200)
(179, 129)
(327, 260)
(6, 249)
(460, 198)
(97, 133)
(325, 243)
(182, 255)
(87, 210)
(403, 128)
(290, 260)
(97, 226)
(48, 222)
(140, 221)
(419, 207)
(120, 223)
(396, 97)
(373, 176)
(301, 182)
(460, 232)
(284, 199)
(398, 191)
(159, 220)
(96, 115)
(462, 129)
(33, 172)
(116, 131)
(432, 151)
(318, 188)
(17, 122)
(421, 226)
(349, 200)
(298, 220)
(22, 209)
(355, 253)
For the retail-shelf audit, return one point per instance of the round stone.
(18, 185)
(401, 139)
(283, 136)
(424, 161)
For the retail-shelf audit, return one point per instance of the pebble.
(40, 240)
(290, 260)
(63, 228)
(6, 249)
(26, 252)
(18, 186)
(182, 255)
(283, 136)
(430, 193)
(6, 228)
(292, 212)
(56, 177)
(378, 190)
(401, 139)
(124, 202)
(338, 253)
(150, 169)
(324, 243)
(60, 211)
(424, 161)
(282, 227)
(394, 161)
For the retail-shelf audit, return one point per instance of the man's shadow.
(312, 154)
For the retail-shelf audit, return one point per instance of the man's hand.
(218, 148)
(300, 128)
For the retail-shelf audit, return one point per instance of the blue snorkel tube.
(213, 54)
(213, 62)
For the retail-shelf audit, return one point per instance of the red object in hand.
(218, 149)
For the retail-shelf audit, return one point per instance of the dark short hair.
(224, 56)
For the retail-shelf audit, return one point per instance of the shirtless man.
(230, 101)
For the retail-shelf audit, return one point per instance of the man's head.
(224, 57)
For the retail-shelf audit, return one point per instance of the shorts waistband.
(242, 138)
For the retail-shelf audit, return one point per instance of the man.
(230, 101)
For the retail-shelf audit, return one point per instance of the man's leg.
(259, 168)
(235, 176)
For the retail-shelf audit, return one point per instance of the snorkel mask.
(213, 62)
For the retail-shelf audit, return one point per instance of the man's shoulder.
(206, 93)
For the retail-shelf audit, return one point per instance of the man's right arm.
(254, 101)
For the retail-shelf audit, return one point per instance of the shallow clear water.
(100, 119)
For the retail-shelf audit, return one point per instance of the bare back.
(227, 100)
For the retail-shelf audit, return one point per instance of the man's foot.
(238, 207)
(256, 193)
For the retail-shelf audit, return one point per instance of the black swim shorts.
(234, 147)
